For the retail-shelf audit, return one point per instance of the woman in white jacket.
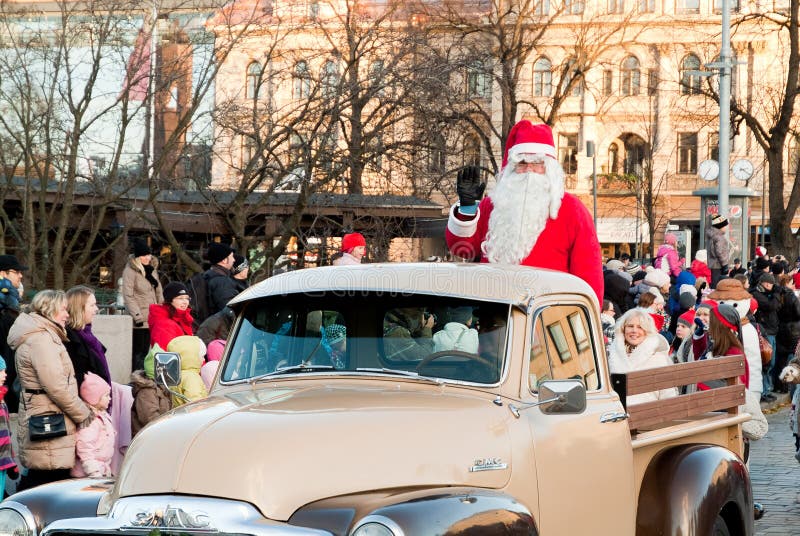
(457, 334)
(638, 346)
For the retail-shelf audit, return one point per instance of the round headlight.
(370, 529)
(13, 524)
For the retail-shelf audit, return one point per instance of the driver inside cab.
(457, 334)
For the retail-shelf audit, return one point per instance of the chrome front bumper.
(176, 514)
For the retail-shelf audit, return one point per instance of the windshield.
(451, 339)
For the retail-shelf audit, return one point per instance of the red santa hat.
(527, 138)
(658, 320)
(761, 251)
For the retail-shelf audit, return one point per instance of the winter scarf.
(96, 347)
(148, 274)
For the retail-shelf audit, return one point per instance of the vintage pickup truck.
(410, 399)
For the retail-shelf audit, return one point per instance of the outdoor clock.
(743, 169)
(708, 170)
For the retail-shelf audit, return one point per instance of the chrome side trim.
(613, 416)
(189, 515)
(22, 510)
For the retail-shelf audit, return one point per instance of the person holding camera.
(141, 288)
(407, 334)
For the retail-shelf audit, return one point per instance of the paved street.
(776, 478)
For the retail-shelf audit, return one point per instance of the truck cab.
(405, 399)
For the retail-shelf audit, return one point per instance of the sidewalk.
(781, 399)
(775, 475)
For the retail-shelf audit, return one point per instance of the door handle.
(613, 416)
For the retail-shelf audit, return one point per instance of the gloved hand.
(13, 473)
(469, 186)
(700, 327)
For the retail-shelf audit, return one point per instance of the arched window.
(302, 81)
(436, 154)
(377, 77)
(690, 79)
(631, 76)
(253, 80)
(472, 151)
(542, 78)
(571, 74)
(635, 154)
(330, 79)
(794, 156)
(479, 80)
(613, 158)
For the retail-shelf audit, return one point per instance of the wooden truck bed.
(688, 414)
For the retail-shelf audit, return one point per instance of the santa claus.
(527, 219)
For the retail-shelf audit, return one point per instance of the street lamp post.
(590, 152)
(724, 66)
(725, 109)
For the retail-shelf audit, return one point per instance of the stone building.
(635, 91)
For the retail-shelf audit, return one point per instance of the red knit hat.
(93, 388)
(525, 137)
(687, 318)
(352, 241)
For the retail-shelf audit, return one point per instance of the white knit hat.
(701, 255)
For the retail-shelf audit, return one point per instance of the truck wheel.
(720, 527)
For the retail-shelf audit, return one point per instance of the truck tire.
(720, 527)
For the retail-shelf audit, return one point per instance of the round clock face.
(708, 170)
(742, 169)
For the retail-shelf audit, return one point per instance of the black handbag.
(46, 426)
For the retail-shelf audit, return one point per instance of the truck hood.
(279, 447)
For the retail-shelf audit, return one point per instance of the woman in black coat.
(86, 352)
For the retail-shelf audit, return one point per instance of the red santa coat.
(568, 243)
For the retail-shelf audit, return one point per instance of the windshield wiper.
(399, 372)
(302, 367)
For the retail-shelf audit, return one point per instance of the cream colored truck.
(411, 399)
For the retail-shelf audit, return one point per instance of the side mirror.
(168, 368)
(562, 396)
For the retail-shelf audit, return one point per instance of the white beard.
(522, 202)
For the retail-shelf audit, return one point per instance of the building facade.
(625, 79)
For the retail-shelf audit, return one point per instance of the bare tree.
(61, 112)
(492, 44)
(327, 108)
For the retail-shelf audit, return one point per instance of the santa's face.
(522, 203)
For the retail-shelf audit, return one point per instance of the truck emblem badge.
(173, 518)
(488, 464)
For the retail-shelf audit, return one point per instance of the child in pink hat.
(214, 354)
(95, 444)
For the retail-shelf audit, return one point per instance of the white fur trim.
(461, 228)
(532, 148)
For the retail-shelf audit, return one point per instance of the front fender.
(59, 500)
(448, 511)
(685, 488)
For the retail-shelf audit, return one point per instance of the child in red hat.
(354, 246)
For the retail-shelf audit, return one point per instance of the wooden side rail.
(727, 398)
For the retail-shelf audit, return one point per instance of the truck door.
(584, 465)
